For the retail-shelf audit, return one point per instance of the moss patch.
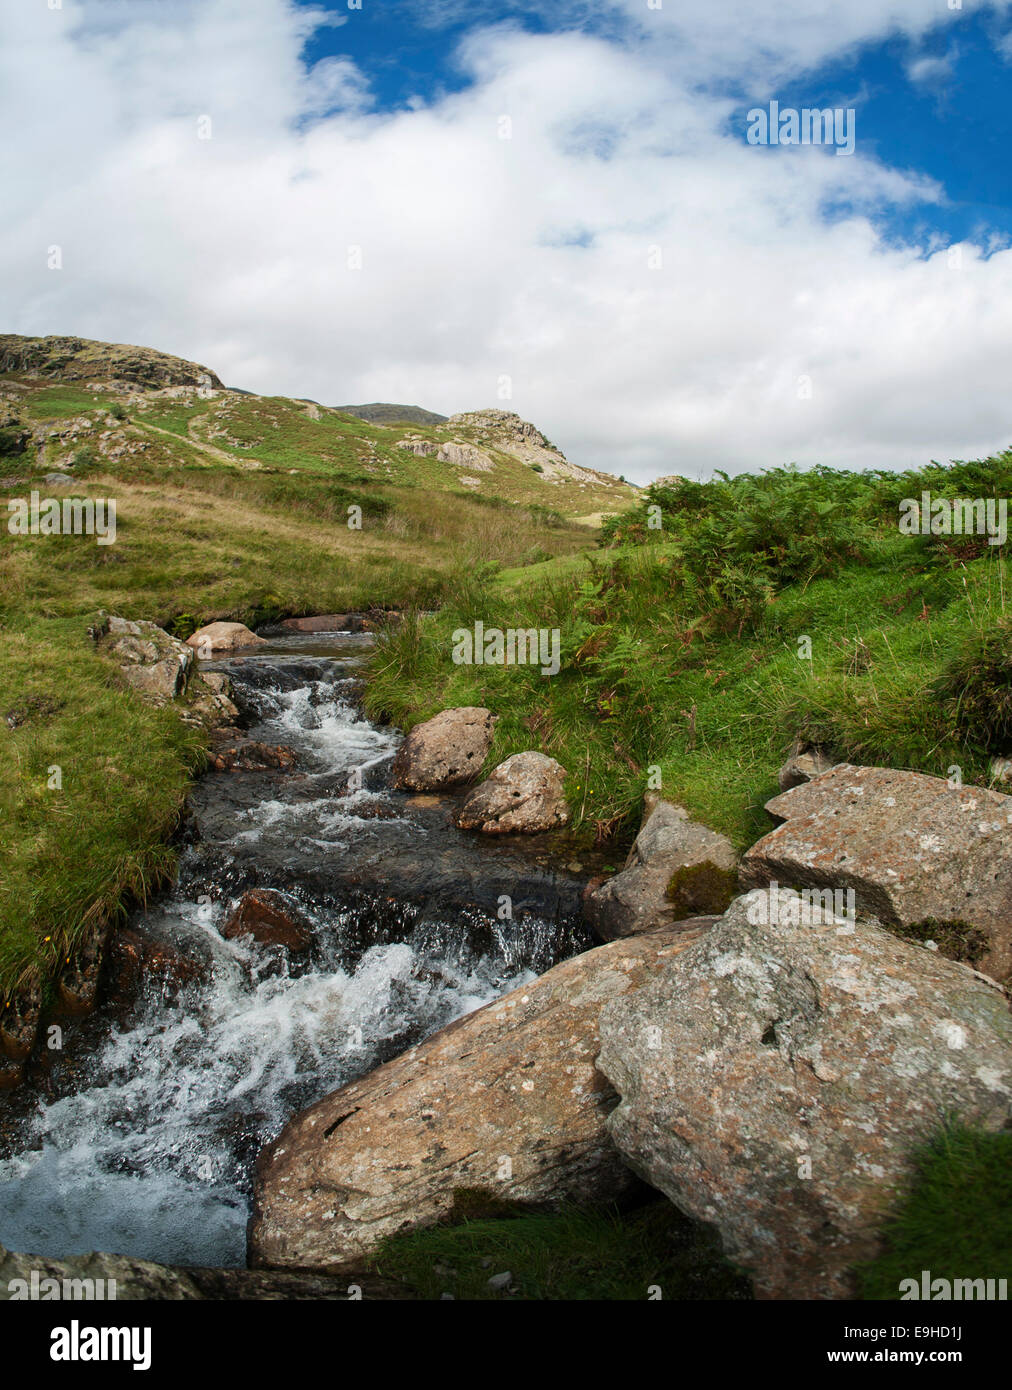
(696, 889)
(955, 939)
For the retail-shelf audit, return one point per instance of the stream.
(145, 1143)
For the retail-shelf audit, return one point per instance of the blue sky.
(551, 208)
(952, 124)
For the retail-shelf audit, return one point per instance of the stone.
(803, 766)
(523, 794)
(223, 637)
(163, 679)
(235, 753)
(59, 480)
(911, 848)
(506, 1100)
(134, 960)
(775, 1079)
(677, 869)
(270, 919)
(19, 1023)
(444, 751)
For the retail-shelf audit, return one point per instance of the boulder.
(676, 869)
(506, 1100)
(525, 794)
(270, 919)
(445, 750)
(162, 679)
(223, 637)
(911, 847)
(151, 661)
(802, 766)
(775, 1079)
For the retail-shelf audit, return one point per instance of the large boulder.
(912, 848)
(676, 869)
(445, 750)
(223, 637)
(776, 1077)
(506, 1099)
(524, 793)
(151, 661)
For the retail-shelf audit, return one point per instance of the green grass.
(92, 781)
(574, 1254)
(956, 1221)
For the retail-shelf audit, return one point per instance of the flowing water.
(147, 1146)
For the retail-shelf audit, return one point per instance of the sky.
(555, 209)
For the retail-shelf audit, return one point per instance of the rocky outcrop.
(82, 359)
(675, 869)
(506, 1099)
(802, 766)
(270, 919)
(524, 794)
(775, 1079)
(444, 751)
(911, 847)
(223, 637)
(150, 661)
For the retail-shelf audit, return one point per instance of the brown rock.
(524, 794)
(19, 1024)
(445, 750)
(506, 1099)
(911, 847)
(676, 869)
(238, 754)
(133, 959)
(223, 637)
(270, 919)
(776, 1078)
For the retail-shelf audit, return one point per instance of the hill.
(382, 413)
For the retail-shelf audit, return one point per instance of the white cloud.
(484, 257)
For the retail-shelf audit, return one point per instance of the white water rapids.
(151, 1153)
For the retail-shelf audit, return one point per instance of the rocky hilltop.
(82, 359)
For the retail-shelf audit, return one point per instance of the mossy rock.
(702, 888)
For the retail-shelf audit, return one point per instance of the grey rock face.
(911, 847)
(524, 793)
(676, 868)
(774, 1079)
(445, 750)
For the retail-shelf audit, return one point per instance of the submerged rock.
(676, 869)
(270, 919)
(911, 848)
(525, 794)
(506, 1099)
(775, 1079)
(444, 751)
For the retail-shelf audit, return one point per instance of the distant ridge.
(382, 413)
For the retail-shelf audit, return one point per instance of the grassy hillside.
(228, 505)
(762, 610)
